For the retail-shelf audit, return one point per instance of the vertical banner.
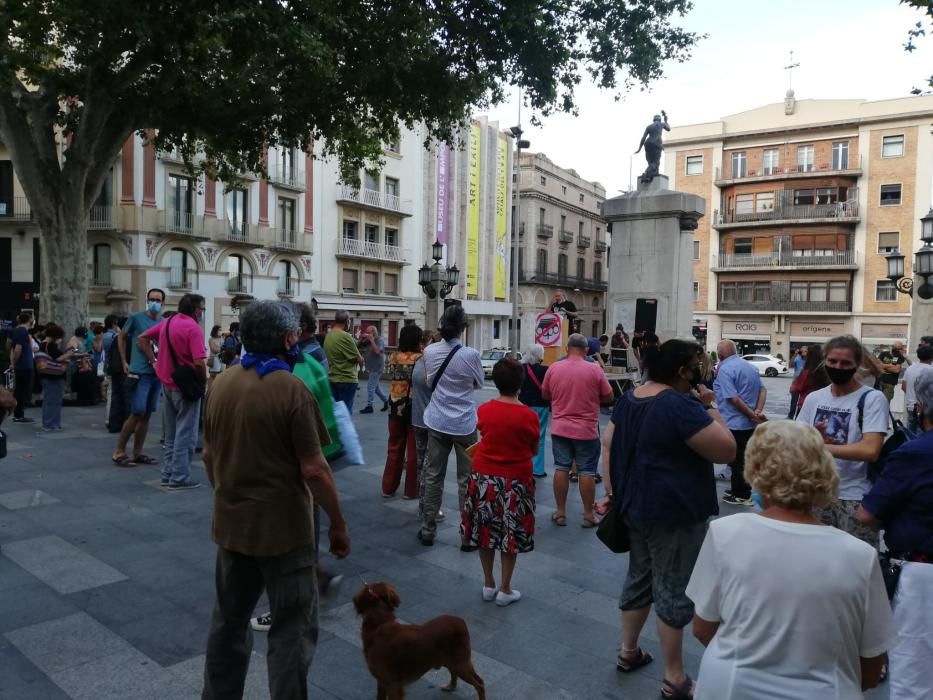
(443, 193)
(473, 195)
(502, 164)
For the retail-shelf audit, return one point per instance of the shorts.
(843, 515)
(142, 392)
(584, 452)
(661, 560)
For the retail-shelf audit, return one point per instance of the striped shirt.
(452, 409)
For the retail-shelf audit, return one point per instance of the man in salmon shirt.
(181, 341)
(576, 389)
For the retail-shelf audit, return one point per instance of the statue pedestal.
(651, 258)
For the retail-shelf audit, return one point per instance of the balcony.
(101, 278)
(787, 305)
(239, 284)
(239, 232)
(355, 248)
(373, 199)
(289, 178)
(182, 279)
(181, 223)
(786, 212)
(846, 167)
(15, 209)
(583, 241)
(287, 288)
(100, 218)
(286, 240)
(565, 236)
(567, 281)
(843, 259)
(600, 246)
(785, 295)
(545, 231)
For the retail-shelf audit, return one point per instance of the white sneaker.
(489, 594)
(503, 599)
(261, 623)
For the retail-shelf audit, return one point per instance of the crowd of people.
(792, 598)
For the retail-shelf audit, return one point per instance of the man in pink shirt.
(576, 389)
(180, 342)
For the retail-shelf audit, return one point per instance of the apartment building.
(562, 243)
(804, 200)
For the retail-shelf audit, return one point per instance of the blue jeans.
(913, 425)
(53, 392)
(544, 417)
(142, 392)
(346, 392)
(569, 450)
(373, 389)
(180, 421)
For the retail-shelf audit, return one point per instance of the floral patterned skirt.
(499, 514)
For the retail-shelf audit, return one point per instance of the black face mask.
(695, 376)
(840, 376)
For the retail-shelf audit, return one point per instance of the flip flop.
(587, 523)
(560, 520)
(144, 459)
(643, 659)
(123, 461)
(684, 691)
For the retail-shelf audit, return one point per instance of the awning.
(746, 336)
(368, 305)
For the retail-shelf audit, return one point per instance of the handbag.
(890, 572)
(47, 367)
(190, 382)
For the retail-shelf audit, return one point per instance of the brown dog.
(398, 655)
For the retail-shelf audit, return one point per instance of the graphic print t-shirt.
(836, 417)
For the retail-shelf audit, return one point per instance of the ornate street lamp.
(923, 263)
(433, 279)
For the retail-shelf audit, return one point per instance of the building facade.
(805, 198)
(562, 244)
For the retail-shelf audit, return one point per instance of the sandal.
(123, 461)
(587, 523)
(144, 459)
(643, 659)
(684, 691)
(560, 520)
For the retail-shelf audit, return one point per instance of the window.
(581, 199)
(594, 329)
(351, 280)
(6, 188)
(371, 182)
(839, 291)
(597, 272)
(287, 163)
(762, 291)
(804, 159)
(742, 246)
(390, 284)
(764, 201)
(496, 329)
(235, 204)
(744, 291)
(562, 265)
(739, 164)
(769, 161)
(696, 250)
(885, 291)
(581, 268)
(798, 291)
(287, 217)
(696, 291)
(541, 216)
(541, 262)
(350, 229)
(101, 265)
(371, 283)
(543, 181)
(827, 195)
(372, 233)
(563, 189)
(803, 198)
(391, 235)
(392, 147)
(580, 228)
(392, 187)
(182, 269)
(563, 222)
(744, 204)
(892, 146)
(693, 165)
(287, 275)
(888, 241)
(178, 204)
(239, 274)
(841, 155)
(598, 233)
(890, 195)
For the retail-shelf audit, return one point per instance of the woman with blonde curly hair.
(788, 608)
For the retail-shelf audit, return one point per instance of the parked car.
(490, 357)
(767, 365)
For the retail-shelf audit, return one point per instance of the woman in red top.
(811, 378)
(499, 508)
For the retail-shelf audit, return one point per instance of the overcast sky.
(846, 49)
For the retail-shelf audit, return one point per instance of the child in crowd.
(499, 509)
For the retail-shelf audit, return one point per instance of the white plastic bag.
(352, 449)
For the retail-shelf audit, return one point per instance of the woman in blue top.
(662, 441)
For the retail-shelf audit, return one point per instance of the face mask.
(291, 357)
(840, 376)
(198, 316)
(154, 306)
(695, 377)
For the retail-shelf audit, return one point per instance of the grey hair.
(534, 354)
(342, 316)
(923, 388)
(264, 325)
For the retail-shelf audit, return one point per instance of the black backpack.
(114, 365)
(898, 438)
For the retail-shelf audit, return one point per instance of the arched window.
(596, 303)
(183, 269)
(239, 275)
(541, 266)
(597, 272)
(287, 275)
(102, 265)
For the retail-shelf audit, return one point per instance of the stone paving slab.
(61, 565)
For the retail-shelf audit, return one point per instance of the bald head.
(577, 345)
(726, 348)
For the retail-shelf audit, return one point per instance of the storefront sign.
(822, 330)
(738, 328)
(885, 331)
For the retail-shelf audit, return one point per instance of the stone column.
(921, 319)
(651, 256)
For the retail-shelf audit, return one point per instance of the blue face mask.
(154, 306)
(292, 356)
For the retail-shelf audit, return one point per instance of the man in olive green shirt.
(343, 358)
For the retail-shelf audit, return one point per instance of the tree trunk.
(63, 297)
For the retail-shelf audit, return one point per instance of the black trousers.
(22, 392)
(290, 582)
(118, 403)
(740, 487)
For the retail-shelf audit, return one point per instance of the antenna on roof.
(790, 71)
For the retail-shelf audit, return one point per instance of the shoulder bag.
(612, 530)
(897, 438)
(190, 382)
(47, 367)
(440, 372)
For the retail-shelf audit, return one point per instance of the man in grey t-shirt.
(373, 348)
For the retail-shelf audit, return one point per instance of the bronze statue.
(653, 144)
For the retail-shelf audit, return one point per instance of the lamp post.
(514, 334)
(436, 282)
(921, 313)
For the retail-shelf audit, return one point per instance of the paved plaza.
(106, 583)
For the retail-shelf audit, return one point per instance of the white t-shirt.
(910, 377)
(836, 417)
(797, 605)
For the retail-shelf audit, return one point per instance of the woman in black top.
(530, 395)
